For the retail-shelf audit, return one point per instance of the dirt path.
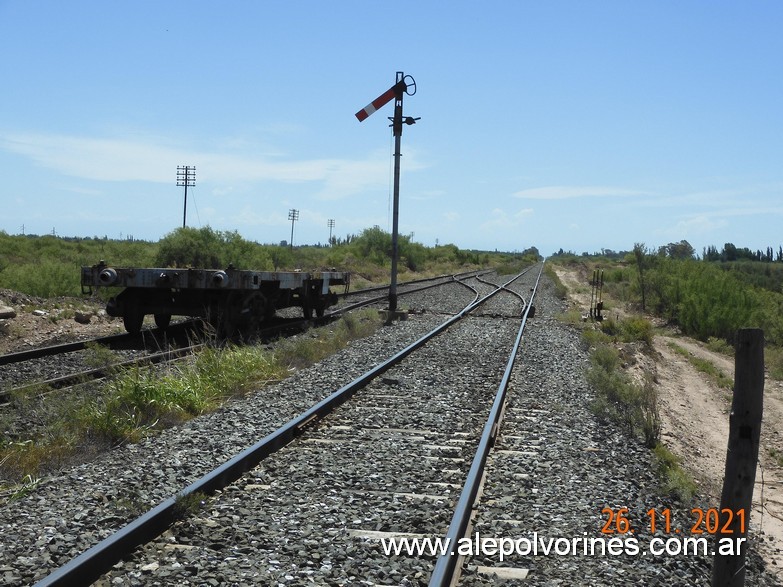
(696, 427)
(695, 415)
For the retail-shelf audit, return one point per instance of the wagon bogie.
(233, 301)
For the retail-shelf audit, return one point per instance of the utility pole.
(293, 216)
(403, 85)
(330, 222)
(186, 176)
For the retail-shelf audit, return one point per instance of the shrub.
(676, 481)
(210, 249)
(622, 401)
(636, 329)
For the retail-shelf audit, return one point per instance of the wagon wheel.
(132, 319)
(162, 321)
(227, 319)
(254, 310)
(320, 307)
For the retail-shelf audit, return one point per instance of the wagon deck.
(230, 299)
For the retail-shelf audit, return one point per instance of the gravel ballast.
(306, 515)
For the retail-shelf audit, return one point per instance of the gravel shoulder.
(695, 417)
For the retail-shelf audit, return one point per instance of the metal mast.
(396, 92)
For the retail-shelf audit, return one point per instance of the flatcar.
(233, 301)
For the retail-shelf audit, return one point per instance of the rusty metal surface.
(103, 275)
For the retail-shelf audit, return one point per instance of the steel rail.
(59, 349)
(445, 568)
(511, 291)
(453, 277)
(354, 306)
(111, 341)
(97, 560)
(100, 372)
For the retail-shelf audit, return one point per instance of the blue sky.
(581, 125)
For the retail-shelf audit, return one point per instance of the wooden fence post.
(728, 567)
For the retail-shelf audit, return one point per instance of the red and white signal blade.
(381, 100)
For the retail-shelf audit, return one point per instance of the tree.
(639, 253)
(680, 250)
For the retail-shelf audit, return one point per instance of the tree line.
(684, 250)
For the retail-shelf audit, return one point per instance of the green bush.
(46, 278)
(676, 481)
(621, 400)
(592, 337)
(210, 249)
(635, 329)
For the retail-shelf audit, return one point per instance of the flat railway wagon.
(233, 301)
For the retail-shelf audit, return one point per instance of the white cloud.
(559, 192)
(121, 159)
(500, 219)
(693, 226)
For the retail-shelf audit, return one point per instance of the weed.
(98, 356)
(561, 291)
(621, 400)
(675, 480)
(20, 460)
(635, 329)
(303, 351)
(141, 400)
(631, 329)
(777, 456)
(187, 505)
(131, 506)
(572, 317)
(595, 338)
(650, 414)
(773, 357)
(719, 345)
(28, 485)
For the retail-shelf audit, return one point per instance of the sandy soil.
(695, 414)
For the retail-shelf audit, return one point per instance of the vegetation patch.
(634, 408)
(561, 291)
(632, 329)
(675, 480)
(188, 505)
(143, 400)
(620, 400)
(623, 402)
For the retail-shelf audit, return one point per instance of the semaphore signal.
(403, 85)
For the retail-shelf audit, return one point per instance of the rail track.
(158, 345)
(389, 463)
(389, 404)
